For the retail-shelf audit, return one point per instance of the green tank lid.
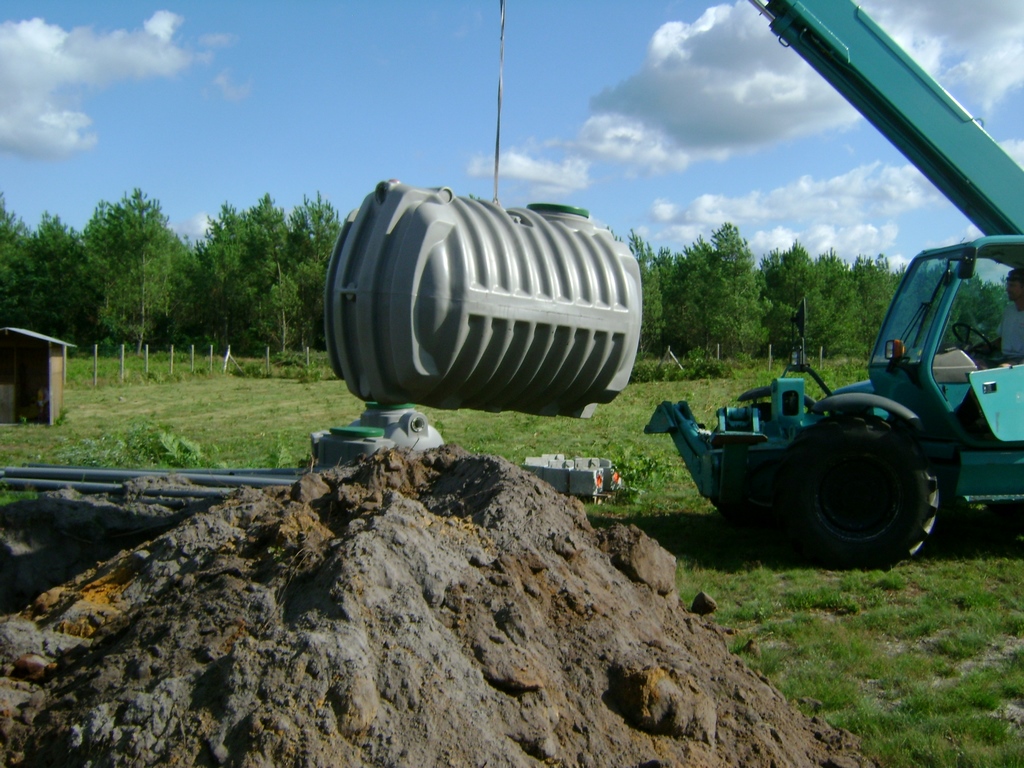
(358, 432)
(374, 406)
(556, 208)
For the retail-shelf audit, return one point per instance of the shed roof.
(34, 335)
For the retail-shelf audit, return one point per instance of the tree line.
(257, 278)
(715, 297)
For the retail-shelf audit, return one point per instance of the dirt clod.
(703, 604)
(435, 608)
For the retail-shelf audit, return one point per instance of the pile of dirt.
(435, 608)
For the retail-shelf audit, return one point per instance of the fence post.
(211, 358)
(821, 357)
(268, 362)
(192, 358)
(669, 353)
(769, 357)
(227, 356)
(146, 369)
(95, 362)
(122, 363)
(718, 351)
(307, 357)
(172, 359)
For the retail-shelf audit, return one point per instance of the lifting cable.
(501, 67)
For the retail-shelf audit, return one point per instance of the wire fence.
(91, 367)
(97, 367)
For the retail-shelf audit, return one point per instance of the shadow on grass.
(706, 540)
(964, 532)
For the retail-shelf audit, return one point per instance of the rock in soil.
(412, 609)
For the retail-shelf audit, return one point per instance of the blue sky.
(204, 103)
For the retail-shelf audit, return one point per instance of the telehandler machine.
(856, 477)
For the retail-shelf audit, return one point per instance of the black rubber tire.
(856, 492)
(750, 513)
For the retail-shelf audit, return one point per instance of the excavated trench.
(410, 609)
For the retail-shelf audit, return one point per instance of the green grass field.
(925, 662)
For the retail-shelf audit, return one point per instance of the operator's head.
(1015, 287)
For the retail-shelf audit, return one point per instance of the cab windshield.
(915, 308)
(931, 285)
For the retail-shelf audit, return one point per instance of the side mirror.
(966, 269)
(799, 318)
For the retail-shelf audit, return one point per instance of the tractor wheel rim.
(859, 497)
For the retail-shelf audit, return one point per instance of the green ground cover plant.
(925, 662)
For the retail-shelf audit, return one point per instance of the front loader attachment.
(690, 438)
(718, 460)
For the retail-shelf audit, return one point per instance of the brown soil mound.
(413, 609)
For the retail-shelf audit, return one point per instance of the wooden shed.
(31, 376)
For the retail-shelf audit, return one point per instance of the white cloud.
(867, 191)
(229, 89)
(630, 142)
(722, 85)
(43, 68)
(849, 241)
(218, 40)
(778, 238)
(707, 90)
(545, 178)
(968, 233)
(681, 234)
(853, 213)
(162, 25)
(974, 49)
(1015, 149)
(194, 228)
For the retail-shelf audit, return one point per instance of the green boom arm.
(841, 42)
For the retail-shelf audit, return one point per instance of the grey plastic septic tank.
(453, 302)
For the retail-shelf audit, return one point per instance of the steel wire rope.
(501, 68)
